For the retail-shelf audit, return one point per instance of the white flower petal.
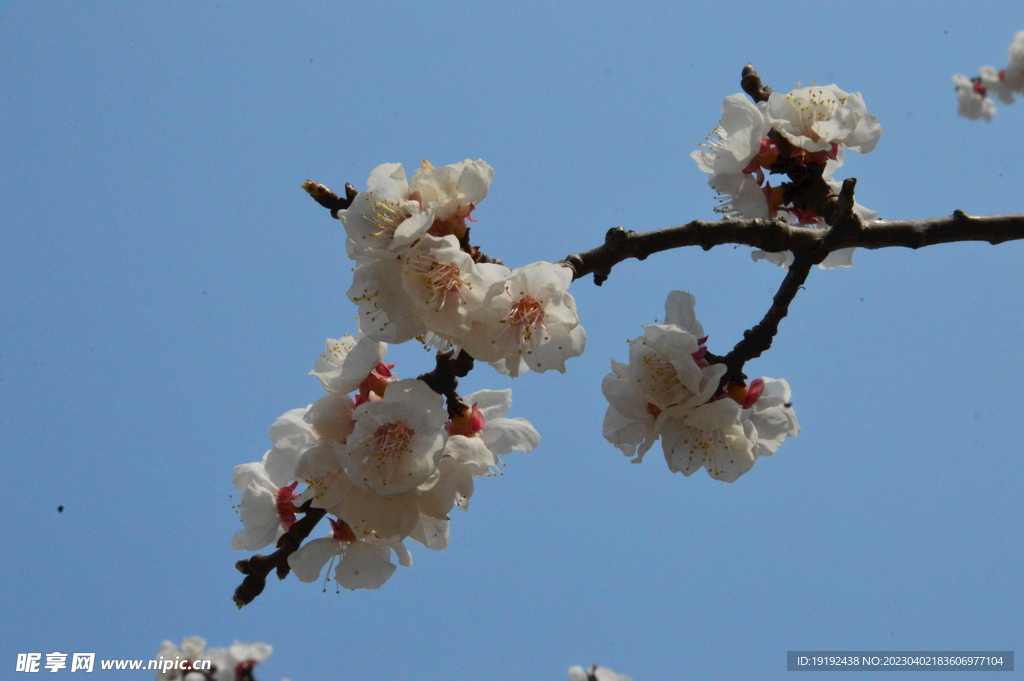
(365, 566)
(311, 557)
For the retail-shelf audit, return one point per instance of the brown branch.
(258, 567)
(759, 339)
(776, 236)
(328, 199)
(444, 378)
(751, 84)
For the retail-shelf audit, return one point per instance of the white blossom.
(387, 312)
(498, 434)
(669, 391)
(393, 213)
(736, 140)
(365, 562)
(347, 362)
(728, 157)
(476, 441)
(383, 220)
(666, 370)
(993, 83)
(266, 509)
(727, 435)
(445, 284)
(398, 441)
(813, 118)
(454, 190)
(740, 196)
(290, 433)
(1013, 75)
(528, 321)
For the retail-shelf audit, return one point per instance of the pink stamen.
(527, 314)
(391, 444)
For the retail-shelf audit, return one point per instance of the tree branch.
(776, 236)
(258, 567)
(444, 379)
(758, 339)
(328, 199)
(752, 85)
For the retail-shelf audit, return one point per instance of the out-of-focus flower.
(993, 83)
(1013, 74)
(225, 664)
(971, 95)
(975, 95)
(595, 673)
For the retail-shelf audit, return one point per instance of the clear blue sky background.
(166, 286)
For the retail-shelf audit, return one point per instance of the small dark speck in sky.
(60, 509)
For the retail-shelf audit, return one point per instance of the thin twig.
(758, 339)
(328, 199)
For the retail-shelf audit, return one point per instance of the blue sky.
(166, 286)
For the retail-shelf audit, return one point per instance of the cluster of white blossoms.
(389, 458)
(225, 664)
(379, 454)
(975, 94)
(809, 127)
(415, 276)
(669, 391)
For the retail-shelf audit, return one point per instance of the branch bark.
(776, 236)
(758, 339)
(258, 567)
